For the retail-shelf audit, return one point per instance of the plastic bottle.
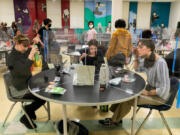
(104, 76)
(37, 59)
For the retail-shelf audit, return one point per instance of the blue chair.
(164, 107)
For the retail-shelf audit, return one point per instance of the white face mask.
(90, 26)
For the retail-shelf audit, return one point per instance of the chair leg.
(48, 110)
(165, 122)
(27, 116)
(136, 112)
(12, 106)
(143, 122)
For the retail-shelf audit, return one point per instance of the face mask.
(90, 26)
(49, 25)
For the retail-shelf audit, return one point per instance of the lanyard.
(44, 45)
(178, 97)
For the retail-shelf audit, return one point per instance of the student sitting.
(19, 63)
(92, 56)
(158, 83)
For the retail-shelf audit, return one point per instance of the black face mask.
(49, 25)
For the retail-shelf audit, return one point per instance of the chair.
(8, 85)
(164, 107)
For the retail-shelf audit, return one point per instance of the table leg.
(134, 116)
(64, 119)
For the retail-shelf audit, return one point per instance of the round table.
(87, 95)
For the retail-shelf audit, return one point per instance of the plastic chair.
(164, 107)
(8, 85)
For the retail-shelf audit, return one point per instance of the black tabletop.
(86, 95)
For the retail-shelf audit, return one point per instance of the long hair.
(150, 61)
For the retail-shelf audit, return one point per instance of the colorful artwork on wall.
(65, 11)
(98, 11)
(26, 12)
(22, 15)
(160, 14)
(132, 15)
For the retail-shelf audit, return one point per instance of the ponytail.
(149, 62)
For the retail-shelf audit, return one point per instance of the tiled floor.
(89, 117)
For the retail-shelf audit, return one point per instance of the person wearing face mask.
(47, 27)
(91, 34)
(42, 33)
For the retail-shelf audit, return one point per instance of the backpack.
(73, 128)
(118, 60)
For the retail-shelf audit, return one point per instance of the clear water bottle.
(104, 77)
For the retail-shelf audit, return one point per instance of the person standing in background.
(91, 34)
(42, 33)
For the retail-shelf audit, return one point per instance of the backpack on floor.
(73, 128)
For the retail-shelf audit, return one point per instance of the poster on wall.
(99, 12)
(132, 21)
(22, 14)
(132, 17)
(160, 14)
(65, 6)
(29, 13)
(41, 12)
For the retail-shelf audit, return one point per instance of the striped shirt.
(158, 77)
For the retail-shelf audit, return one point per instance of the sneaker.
(108, 122)
(25, 121)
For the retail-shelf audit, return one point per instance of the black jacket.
(96, 61)
(20, 68)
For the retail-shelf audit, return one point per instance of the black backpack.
(118, 60)
(77, 127)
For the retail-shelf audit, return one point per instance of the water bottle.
(104, 76)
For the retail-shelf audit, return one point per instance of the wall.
(143, 15)
(7, 11)
(54, 13)
(174, 14)
(126, 12)
(77, 14)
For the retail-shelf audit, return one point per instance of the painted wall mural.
(132, 14)
(65, 11)
(27, 12)
(132, 21)
(160, 14)
(22, 15)
(98, 11)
